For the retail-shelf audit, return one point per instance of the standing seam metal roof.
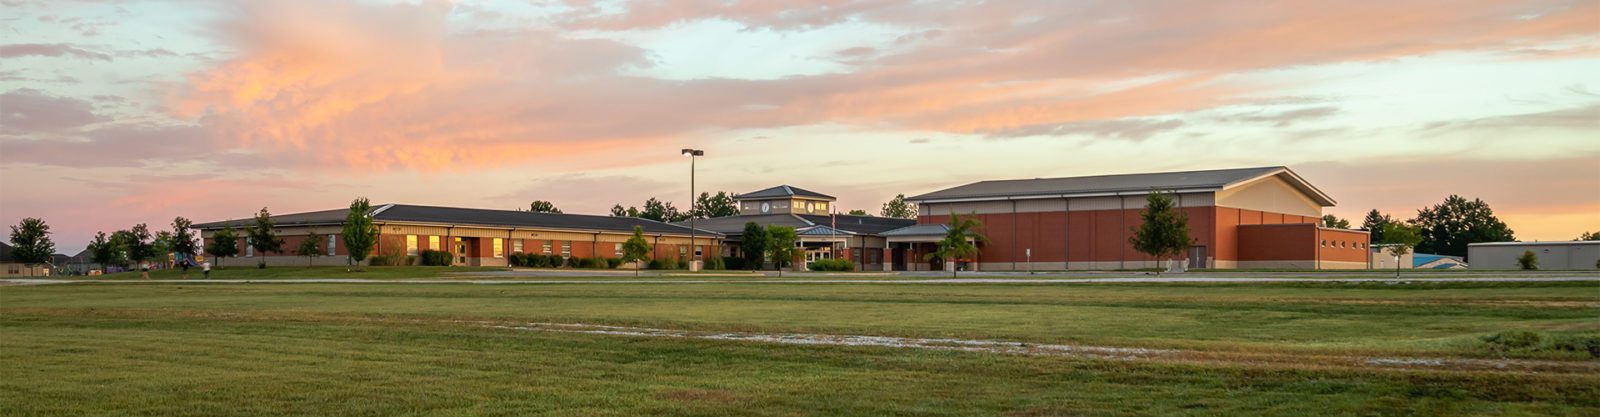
(474, 217)
(1209, 179)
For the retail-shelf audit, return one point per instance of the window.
(516, 246)
(619, 250)
(433, 243)
(683, 251)
(411, 245)
(332, 243)
(697, 253)
(1324, 243)
(499, 248)
(547, 244)
(249, 250)
(566, 249)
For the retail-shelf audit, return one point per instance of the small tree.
(224, 243)
(754, 245)
(161, 245)
(960, 241)
(899, 208)
(1400, 238)
(636, 249)
(263, 237)
(121, 247)
(859, 212)
(183, 239)
(1528, 261)
(311, 248)
(359, 234)
(781, 245)
(30, 242)
(101, 250)
(1165, 231)
(1329, 220)
(541, 206)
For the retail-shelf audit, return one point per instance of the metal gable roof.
(782, 191)
(1208, 180)
(475, 217)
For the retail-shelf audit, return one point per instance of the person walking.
(205, 269)
(144, 269)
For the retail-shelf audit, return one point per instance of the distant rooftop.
(782, 191)
(470, 217)
(1208, 180)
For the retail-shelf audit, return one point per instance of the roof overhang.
(1294, 180)
(1050, 196)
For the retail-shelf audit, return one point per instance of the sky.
(114, 113)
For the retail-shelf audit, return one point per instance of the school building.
(1265, 217)
(474, 237)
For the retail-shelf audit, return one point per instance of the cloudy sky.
(114, 113)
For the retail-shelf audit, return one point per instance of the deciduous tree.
(859, 212)
(1447, 228)
(753, 244)
(781, 245)
(30, 242)
(311, 248)
(101, 250)
(1329, 220)
(1399, 238)
(263, 236)
(899, 208)
(542, 206)
(1165, 230)
(224, 243)
(636, 249)
(359, 234)
(711, 206)
(183, 239)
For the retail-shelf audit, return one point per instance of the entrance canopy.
(922, 233)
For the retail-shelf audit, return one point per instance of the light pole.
(694, 263)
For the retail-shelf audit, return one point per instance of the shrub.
(572, 262)
(592, 263)
(715, 263)
(613, 263)
(1528, 261)
(662, 264)
(832, 265)
(730, 262)
(411, 260)
(380, 260)
(435, 258)
(683, 264)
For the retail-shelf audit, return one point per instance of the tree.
(311, 248)
(1528, 261)
(183, 239)
(1589, 236)
(137, 243)
(899, 208)
(101, 250)
(960, 240)
(1448, 228)
(263, 237)
(1398, 239)
(121, 247)
(161, 245)
(359, 234)
(224, 243)
(859, 212)
(618, 211)
(661, 211)
(541, 206)
(30, 242)
(1165, 230)
(754, 245)
(1329, 220)
(1375, 223)
(712, 206)
(636, 249)
(781, 245)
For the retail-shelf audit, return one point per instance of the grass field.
(412, 349)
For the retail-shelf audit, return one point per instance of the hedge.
(831, 265)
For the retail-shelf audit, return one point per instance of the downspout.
(1013, 234)
(1066, 234)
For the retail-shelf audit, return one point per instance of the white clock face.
(766, 207)
(809, 207)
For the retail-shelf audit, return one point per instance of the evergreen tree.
(224, 243)
(1375, 223)
(541, 206)
(781, 245)
(263, 236)
(899, 208)
(30, 242)
(359, 234)
(636, 249)
(1448, 228)
(959, 242)
(753, 244)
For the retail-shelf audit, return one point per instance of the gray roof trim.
(1118, 185)
(1050, 196)
(781, 191)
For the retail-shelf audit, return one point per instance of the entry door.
(1197, 257)
(898, 256)
(461, 251)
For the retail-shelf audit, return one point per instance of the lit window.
(566, 248)
(332, 243)
(411, 245)
(516, 246)
(619, 250)
(547, 244)
(249, 250)
(499, 248)
(433, 243)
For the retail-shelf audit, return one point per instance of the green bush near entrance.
(440, 258)
(831, 265)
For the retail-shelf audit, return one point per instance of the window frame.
(499, 247)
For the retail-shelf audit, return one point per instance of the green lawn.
(387, 349)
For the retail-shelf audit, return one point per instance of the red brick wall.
(1277, 242)
(1344, 245)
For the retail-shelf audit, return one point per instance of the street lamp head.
(693, 152)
